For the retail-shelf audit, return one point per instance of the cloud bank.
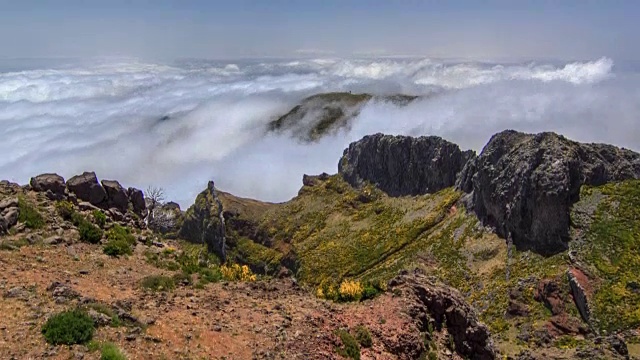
(179, 125)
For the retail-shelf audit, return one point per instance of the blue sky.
(287, 28)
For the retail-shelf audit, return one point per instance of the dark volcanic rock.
(524, 184)
(434, 304)
(86, 188)
(136, 197)
(403, 165)
(52, 182)
(116, 195)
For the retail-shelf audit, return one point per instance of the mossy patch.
(611, 248)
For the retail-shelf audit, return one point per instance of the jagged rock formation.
(437, 306)
(202, 224)
(222, 246)
(403, 165)
(524, 184)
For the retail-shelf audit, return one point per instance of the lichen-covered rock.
(116, 195)
(524, 184)
(52, 182)
(403, 165)
(439, 306)
(87, 188)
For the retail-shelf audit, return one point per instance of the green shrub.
(117, 248)
(111, 352)
(118, 232)
(68, 327)
(363, 336)
(100, 218)
(29, 215)
(158, 283)
(350, 347)
(65, 209)
(433, 356)
(183, 278)
(89, 232)
(119, 242)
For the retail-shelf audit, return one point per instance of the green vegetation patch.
(120, 241)
(29, 214)
(350, 347)
(68, 328)
(99, 217)
(612, 248)
(158, 283)
(337, 232)
(110, 351)
(363, 335)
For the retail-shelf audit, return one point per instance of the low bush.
(119, 241)
(65, 209)
(236, 272)
(99, 217)
(29, 215)
(363, 336)
(110, 351)
(350, 348)
(68, 328)
(117, 248)
(158, 283)
(89, 232)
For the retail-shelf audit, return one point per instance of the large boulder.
(52, 182)
(403, 165)
(87, 188)
(524, 184)
(136, 197)
(116, 195)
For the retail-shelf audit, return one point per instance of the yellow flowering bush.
(236, 272)
(351, 290)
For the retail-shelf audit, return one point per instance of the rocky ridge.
(403, 165)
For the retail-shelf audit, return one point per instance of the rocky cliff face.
(435, 306)
(403, 165)
(524, 184)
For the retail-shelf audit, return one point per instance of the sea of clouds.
(179, 125)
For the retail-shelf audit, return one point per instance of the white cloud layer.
(179, 126)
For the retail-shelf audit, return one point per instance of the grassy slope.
(609, 246)
(336, 232)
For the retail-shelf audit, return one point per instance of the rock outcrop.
(8, 213)
(116, 195)
(524, 184)
(87, 188)
(202, 225)
(403, 165)
(136, 197)
(49, 182)
(440, 306)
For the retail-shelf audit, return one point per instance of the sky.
(167, 29)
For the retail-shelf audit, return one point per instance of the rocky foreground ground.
(414, 250)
